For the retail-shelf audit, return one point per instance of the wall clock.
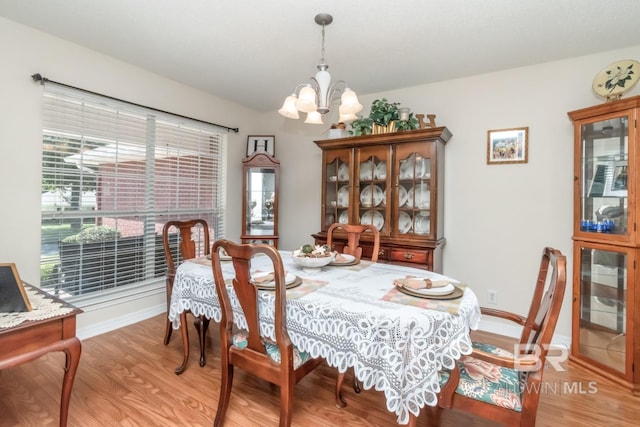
(261, 144)
(617, 79)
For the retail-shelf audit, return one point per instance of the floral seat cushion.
(487, 382)
(299, 357)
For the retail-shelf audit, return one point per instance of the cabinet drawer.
(410, 255)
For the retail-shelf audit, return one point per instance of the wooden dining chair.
(354, 232)
(501, 385)
(176, 251)
(274, 359)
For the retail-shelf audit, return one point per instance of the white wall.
(497, 218)
(26, 51)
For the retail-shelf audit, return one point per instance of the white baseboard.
(120, 322)
(515, 331)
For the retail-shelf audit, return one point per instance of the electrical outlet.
(492, 296)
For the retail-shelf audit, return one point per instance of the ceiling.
(255, 52)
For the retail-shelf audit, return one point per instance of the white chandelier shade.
(314, 118)
(316, 96)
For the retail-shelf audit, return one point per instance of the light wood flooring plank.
(126, 378)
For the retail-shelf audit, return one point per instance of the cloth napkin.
(270, 277)
(340, 258)
(264, 279)
(416, 283)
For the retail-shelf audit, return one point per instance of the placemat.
(354, 267)
(299, 291)
(202, 260)
(449, 306)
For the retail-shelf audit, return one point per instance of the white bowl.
(313, 262)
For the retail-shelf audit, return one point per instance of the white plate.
(328, 220)
(366, 171)
(381, 171)
(419, 197)
(404, 223)
(344, 217)
(423, 168)
(402, 196)
(443, 290)
(343, 172)
(289, 278)
(347, 259)
(421, 224)
(372, 217)
(406, 168)
(617, 78)
(371, 196)
(343, 196)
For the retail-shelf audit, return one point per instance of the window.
(112, 174)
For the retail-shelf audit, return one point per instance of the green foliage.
(362, 126)
(410, 124)
(48, 275)
(382, 113)
(93, 234)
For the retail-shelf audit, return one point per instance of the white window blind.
(112, 174)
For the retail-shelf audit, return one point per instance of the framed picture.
(507, 146)
(13, 298)
(261, 144)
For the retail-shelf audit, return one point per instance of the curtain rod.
(39, 78)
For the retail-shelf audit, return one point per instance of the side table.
(49, 326)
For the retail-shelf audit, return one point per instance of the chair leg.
(203, 341)
(226, 382)
(340, 402)
(184, 331)
(202, 324)
(433, 415)
(286, 402)
(167, 332)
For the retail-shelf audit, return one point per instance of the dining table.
(353, 316)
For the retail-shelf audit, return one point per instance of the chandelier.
(316, 96)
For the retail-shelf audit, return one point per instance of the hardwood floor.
(126, 378)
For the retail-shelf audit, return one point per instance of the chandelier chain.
(322, 49)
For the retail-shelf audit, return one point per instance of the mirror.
(260, 205)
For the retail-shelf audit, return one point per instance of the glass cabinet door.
(337, 194)
(260, 204)
(372, 169)
(604, 185)
(413, 193)
(603, 306)
(260, 199)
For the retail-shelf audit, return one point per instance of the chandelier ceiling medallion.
(315, 96)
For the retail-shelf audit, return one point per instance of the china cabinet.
(394, 181)
(606, 292)
(260, 182)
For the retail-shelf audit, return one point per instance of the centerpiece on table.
(313, 257)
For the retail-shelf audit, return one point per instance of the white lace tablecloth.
(395, 348)
(42, 307)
